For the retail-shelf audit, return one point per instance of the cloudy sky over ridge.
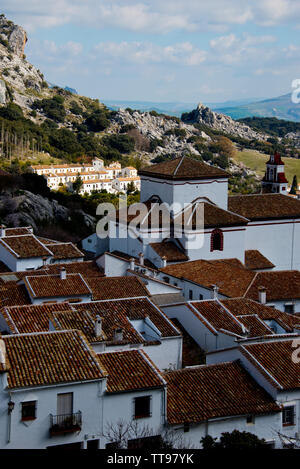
(171, 50)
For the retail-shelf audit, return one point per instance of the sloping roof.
(206, 392)
(50, 358)
(274, 360)
(13, 294)
(22, 230)
(255, 260)
(106, 288)
(86, 268)
(245, 306)
(169, 250)
(64, 251)
(81, 320)
(50, 286)
(31, 318)
(264, 206)
(130, 370)
(280, 284)
(25, 246)
(118, 311)
(183, 168)
(231, 280)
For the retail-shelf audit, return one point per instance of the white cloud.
(146, 52)
(153, 17)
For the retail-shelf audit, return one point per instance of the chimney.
(2, 231)
(30, 229)
(118, 336)
(141, 258)
(214, 293)
(2, 353)
(262, 295)
(132, 263)
(63, 274)
(164, 261)
(98, 326)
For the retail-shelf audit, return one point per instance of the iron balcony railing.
(65, 423)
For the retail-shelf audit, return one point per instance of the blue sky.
(164, 50)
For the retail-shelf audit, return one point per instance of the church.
(205, 222)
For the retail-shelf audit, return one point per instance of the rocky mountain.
(204, 115)
(31, 209)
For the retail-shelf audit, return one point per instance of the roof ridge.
(179, 164)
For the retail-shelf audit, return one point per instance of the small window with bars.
(28, 410)
(288, 416)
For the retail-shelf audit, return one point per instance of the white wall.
(185, 191)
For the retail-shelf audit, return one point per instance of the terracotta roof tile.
(64, 251)
(183, 168)
(130, 370)
(18, 231)
(170, 251)
(255, 260)
(25, 246)
(280, 284)
(50, 358)
(50, 286)
(107, 288)
(232, 281)
(264, 206)
(201, 393)
(274, 360)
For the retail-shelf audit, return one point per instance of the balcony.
(66, 423)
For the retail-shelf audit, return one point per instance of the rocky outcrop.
(34, 210)
(204, 115)
(294, 137)
(2, 92)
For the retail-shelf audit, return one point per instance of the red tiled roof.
(280, 284)
(130, 370)
(231, 280)
(274, 360)
(107, 288)
(18, 231)
(201, 393)
(50, 358)
(276, 159)
(50, 286)
(13, 294)
(264, 206)
(64, 251)
(133, 309)
(255, 260)
(86, 268)
(32, 318)
(25, 246)
(183, 168)
(169, 250)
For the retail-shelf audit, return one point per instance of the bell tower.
(274, 179)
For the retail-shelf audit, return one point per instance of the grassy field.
(257, 162)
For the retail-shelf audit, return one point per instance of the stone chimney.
(164, 261)
(141, 258)
(214, 292)
(2, 231)
(98, 326)
(118, 335)
(63, 273)
(262, 295)
(131, 263)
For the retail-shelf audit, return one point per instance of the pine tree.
(294, 187)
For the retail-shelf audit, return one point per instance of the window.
(190, 294)
(288, 416)
(289, 308)
(186, 427)
(200, 297)
(92, 444)
(166, 279)
(28, 410)
(65, 403)
(142, 407)
(216, 240)
(250, 419)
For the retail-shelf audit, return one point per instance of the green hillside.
(257, 162)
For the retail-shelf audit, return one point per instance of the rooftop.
(25, 246)
(64, 251)
(274, 360)
(130, 370)
(255, 260)
(264, 206)
(201, 393)
(170, 251)
(279, 284)
(30, 365)
(106, 288)
(183, 168)
(50, 286)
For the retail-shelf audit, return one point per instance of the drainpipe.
(10, 408)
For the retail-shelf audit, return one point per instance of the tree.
(131, 188)
(294, 187)
(234, 440)
(77, 184)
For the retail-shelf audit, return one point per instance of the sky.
(163, 50)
